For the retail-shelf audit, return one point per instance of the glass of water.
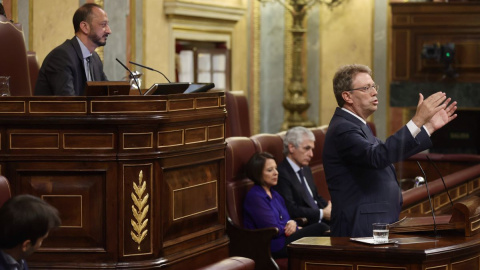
(4, 86)
(380, 233)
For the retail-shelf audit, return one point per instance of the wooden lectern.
(139, 181)
(465, 217)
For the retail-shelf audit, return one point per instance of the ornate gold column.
(296, 101)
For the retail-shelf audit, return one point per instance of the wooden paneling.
(417, 24)
(139, 181)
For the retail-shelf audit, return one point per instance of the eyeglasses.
(367, 88)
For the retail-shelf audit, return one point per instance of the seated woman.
(264, 207)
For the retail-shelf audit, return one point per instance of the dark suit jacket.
(360, 176)
(292, 191)
(63, 73)
(5, 266)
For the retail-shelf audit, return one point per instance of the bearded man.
(68, 67)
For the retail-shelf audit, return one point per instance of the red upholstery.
(13, 59)
(33, 68)
(253, 244)
(316, 164)
(4, 190)
(232, 263)
(238, 121)
(239, 151)
(271, 143)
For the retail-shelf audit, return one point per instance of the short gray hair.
(295, 136)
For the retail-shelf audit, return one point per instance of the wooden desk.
(87, 155)
(451, 251)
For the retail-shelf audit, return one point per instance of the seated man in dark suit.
(25, 221)
(68, 67)
(295, 179)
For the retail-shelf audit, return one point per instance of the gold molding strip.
(171, 131)
(62, 111)
(111, 135)
(94, 102)
(381, 266)
(197, 128)
(467, 259)
(33, 134)
(199, 212)
(22, 103)
(436, 267)
(222, 136)
(150, 134)
(139, 211)
(207, 99)
(172, 102)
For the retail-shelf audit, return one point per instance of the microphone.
(441, 177)
(131, 74)
(149, 68)
(429, 199)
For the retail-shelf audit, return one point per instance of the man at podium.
(358, 166)
(66, 69)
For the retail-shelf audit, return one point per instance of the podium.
(139, 181)
(465, 217)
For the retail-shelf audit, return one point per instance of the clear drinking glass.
(380, 233)
(4, 86)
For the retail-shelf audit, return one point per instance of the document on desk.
(413, 240)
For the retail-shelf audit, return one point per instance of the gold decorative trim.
(87, 134)
(199, 212)
(436, 267)
(81, 208)
(475, 225)
(199, 141)
(24, 107)
(32, 134)
(171, 131)
(139, 211)
(381, 266)
(216, 138)
(468, 259)
(327, 264)
(84, 103)
(177, 100)
(124, 195)
(125, 101)
(206, 107)
(144, 133)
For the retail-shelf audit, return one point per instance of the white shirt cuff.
(414, 130)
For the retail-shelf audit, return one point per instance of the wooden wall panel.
(428, 23)
(138, 183)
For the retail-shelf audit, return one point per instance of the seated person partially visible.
(25, 221)
(68, 67)
(264, 207)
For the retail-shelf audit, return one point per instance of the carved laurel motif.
(139, 210)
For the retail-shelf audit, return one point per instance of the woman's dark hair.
(83, 13)
(255, 166)
(25, 217)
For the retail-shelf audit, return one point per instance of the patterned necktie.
(311, 202)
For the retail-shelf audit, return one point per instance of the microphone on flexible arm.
(441, 177)
(430, 200)
(131, 74)
(149, 68)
